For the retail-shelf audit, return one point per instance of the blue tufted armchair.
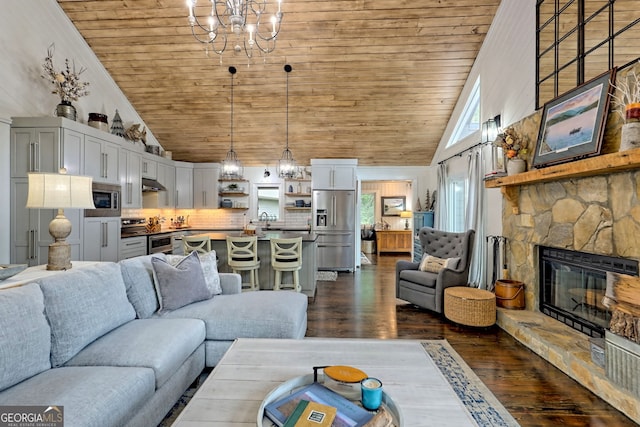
(426, 289)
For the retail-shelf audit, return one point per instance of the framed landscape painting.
(392, 206)
(572, 125)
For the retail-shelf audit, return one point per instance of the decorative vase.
(515, 166)
(65, 109)
(630, 136)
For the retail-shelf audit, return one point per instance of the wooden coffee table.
(251, 368)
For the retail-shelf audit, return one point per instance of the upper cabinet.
(184, 185)
(131, 178)
(101, 160)
(205, 178)
(334, 174)
(149, 166)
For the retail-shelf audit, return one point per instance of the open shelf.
(592, 166)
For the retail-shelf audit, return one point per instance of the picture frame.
(572, 124)
(392, 206)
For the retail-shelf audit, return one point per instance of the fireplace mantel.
(599, 165)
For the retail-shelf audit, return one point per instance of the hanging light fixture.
(231, 166)
(286, 165)
(238, 22)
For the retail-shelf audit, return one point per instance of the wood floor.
(363, 305)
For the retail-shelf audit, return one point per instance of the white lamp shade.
(59, 191)
(406, 214)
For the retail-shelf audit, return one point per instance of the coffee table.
(251, 368)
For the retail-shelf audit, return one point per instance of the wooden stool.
(470, 306)
(242, 255)
(286, 255)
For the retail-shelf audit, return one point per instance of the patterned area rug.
(483, 406)
(363, 259)
(485, 409)
(326, 276)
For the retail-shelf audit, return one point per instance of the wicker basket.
(470, 306)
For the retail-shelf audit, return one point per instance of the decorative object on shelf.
(231, 166)
(490, 129)
(514, 147)
(573, 124)
(627, 101)
(66, 83)
(418, 205)
(117, 127)
(406, 215)
(134, 134)
(516, 166)
(98, 121)
(392, 206)
(432, 206)
(239, 21)
(59, 191)
(427, 200)
(287, 165)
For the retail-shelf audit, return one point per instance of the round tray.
(293, 384)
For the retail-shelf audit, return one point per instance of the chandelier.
(231, 166)
(286, 165)
(238, 22)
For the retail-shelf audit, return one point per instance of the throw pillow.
(434, 264)
(180, 285)
(209, 264)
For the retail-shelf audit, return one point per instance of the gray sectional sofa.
(94, 341)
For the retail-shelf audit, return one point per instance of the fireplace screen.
(572, 285)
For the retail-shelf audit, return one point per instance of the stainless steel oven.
(160, 243)
(106, 198)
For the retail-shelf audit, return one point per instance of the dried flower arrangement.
(627, 95)
(512, 144)
(67, 82)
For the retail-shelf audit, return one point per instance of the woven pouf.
(470, 306)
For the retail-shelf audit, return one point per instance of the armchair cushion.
(434, 264)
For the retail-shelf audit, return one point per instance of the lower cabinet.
(131, 247)
(394, 241)
(101, 239)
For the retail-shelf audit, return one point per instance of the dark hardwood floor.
(363, 305)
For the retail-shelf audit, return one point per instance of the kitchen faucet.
(266, 218)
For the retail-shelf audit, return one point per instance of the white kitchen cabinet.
(101, 160)
(334, 174)
(131, 247)
(46, 149)
(101, 239)
(149, 166)
(205, 183)
(131, 178)
(184, 185)
(167, 177)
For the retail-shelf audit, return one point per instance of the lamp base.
(59, 256)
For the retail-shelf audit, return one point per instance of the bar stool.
(286, 255)
(242, 255)
(200, 244)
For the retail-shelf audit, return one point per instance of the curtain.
(440, 221)
(475, 218)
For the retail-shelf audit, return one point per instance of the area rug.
(363, 259)
(326, 276)
(484, 407)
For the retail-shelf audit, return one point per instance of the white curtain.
(440, 221)
(475, 218)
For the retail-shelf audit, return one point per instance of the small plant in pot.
(515, 150)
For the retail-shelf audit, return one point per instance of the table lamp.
(59, 191)
(406, 215)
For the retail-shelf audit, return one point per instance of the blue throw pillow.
(181, 284)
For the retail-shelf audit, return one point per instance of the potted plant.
(515, 150)
(627, 101)
(66, 84)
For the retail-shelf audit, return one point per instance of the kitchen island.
(266, 273)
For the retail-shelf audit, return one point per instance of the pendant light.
(231, 166)
(287, 165)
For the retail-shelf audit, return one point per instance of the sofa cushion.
(91, 396)
(137, 274)
(422, 278)
(181, 284)
(25, 336)
(160, 344)
(209, 264)
(280, 314)
(434, 264)
(82, 305)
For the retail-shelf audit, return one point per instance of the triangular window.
(469, 121)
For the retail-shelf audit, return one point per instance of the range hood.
(152, 185)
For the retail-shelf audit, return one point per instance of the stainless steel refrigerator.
(334, 221)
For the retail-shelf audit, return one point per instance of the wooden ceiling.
(373, 80)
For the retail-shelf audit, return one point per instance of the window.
(469, 120)
(456, 198)
(367, 208)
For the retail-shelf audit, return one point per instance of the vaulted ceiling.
(373, 80)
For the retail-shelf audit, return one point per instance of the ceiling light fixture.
(237, 19)
(231, 166)
(287, 165)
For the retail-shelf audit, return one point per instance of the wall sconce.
(59, 191)
(490, 129)
(406, 215)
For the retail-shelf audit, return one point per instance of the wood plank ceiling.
(372, 80)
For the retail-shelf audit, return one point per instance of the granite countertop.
(264, 235)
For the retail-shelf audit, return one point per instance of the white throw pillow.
(209, 265)
(434, 264)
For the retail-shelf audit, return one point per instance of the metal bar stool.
(200, 244)
(242, 255)
(286, 255)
